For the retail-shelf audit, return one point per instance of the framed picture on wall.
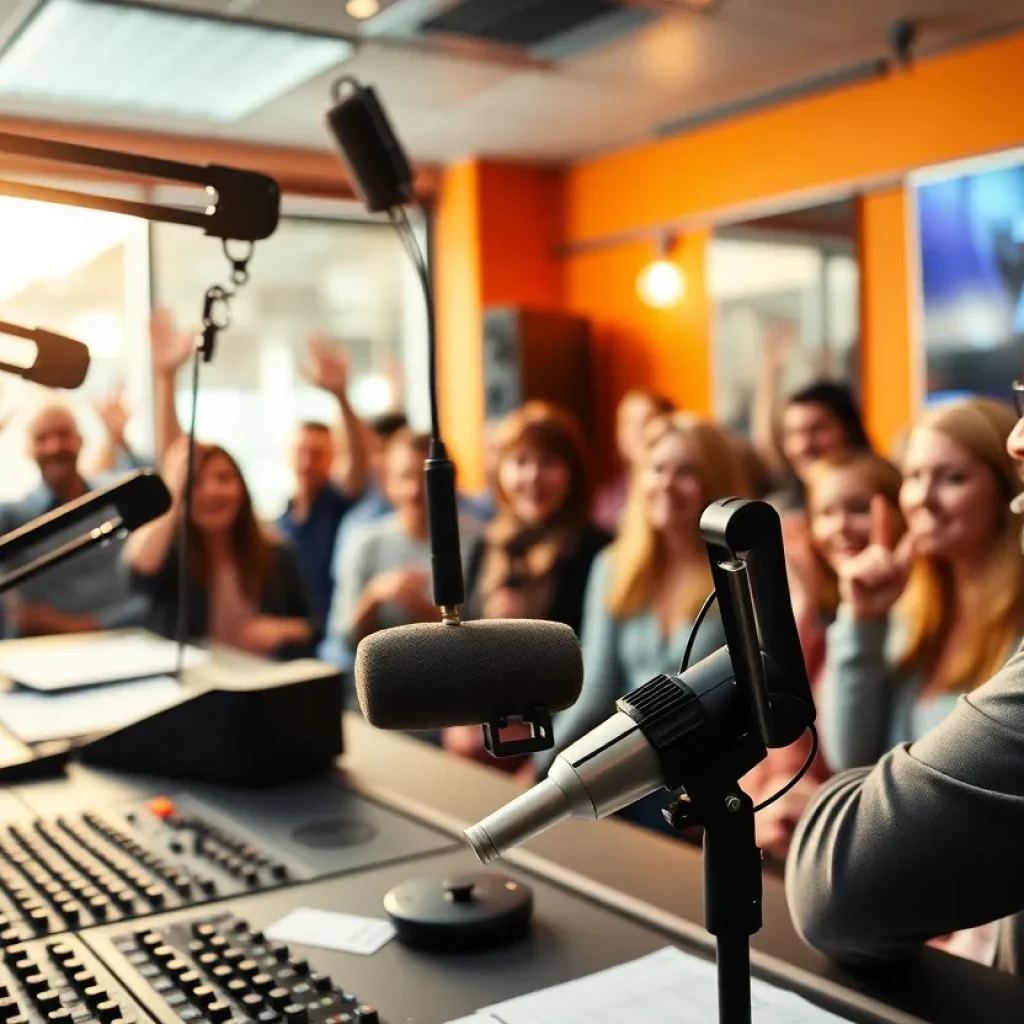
(970, 245)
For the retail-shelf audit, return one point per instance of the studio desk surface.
(604, 893)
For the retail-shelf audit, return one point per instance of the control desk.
(139, 899)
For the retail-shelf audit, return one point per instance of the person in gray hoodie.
(927, 841)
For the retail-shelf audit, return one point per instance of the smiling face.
(218, 495)
(840, 511)
(535, 482)
(312, 458)
(404, 483)
(671, 485)
(810, 431)
(634, 413)
(54, 445)
(949, 498)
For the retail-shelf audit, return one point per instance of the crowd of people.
(907, 579)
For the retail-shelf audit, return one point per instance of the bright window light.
(115, 55)
(44, 242)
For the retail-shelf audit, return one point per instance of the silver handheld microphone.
(656, 732)
(607, 770)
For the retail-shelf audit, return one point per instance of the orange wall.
(941, 109)
(496, 230)
(888, 349)
(864, 138)
(633, 345)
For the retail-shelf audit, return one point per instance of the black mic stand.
(732, 880)
(711, 731)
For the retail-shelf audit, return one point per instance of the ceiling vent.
(541, 28)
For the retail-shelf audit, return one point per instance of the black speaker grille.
(519, 22)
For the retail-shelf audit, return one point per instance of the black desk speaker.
(530, 354)
(270, 726)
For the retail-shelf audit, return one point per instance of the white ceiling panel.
(446, 106)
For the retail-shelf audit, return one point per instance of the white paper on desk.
(92, 659)
(34, 717)
(669, 985)
(346, 933)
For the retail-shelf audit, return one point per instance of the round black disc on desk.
(472, 911)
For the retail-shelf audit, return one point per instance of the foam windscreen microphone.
(60, 361)
(432, 675)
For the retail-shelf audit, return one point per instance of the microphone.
(699, 729)
(619, 762)
(430, 675)
(447, 673)
(137, 499)
(60, 361)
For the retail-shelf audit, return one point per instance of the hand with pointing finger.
(870, 583)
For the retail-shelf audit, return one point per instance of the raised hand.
(169, 346)
(778, 342)
(326, 365)
(870, 583)
(174, 466)
(114, 412)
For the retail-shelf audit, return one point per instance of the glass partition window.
(83, 273)
(94, 275)
(762, 286)
(347, 279)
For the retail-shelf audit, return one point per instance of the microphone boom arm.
(244, 206)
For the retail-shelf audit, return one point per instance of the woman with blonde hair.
(645, 589)
(919, 623)
(635, 410)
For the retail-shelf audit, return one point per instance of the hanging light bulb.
(661, 284)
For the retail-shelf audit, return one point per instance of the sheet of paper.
(92, 659)
(669, 985)
(345, 933)
(34, 717)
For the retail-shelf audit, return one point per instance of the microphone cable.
(448, 582)
(400, 220)
(685, 663)
(184, 527)
(216, 318)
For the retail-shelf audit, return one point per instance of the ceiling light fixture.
(661, 284)
(100, 53)
(362, 9)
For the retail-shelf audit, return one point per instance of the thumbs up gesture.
(870, 583)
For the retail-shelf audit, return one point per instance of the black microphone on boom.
(446, 673)
(136, 499)
(60, 361)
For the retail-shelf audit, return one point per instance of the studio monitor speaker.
(529, 354)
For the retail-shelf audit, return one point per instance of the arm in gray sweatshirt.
(928, 841)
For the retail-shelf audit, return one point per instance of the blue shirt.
(314, 542)
(93, 582)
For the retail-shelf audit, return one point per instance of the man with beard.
(930, 840)
(88, 592)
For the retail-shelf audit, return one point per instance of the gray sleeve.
(855, 691)
(927, 842)
(355, 570)
(602, 670)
